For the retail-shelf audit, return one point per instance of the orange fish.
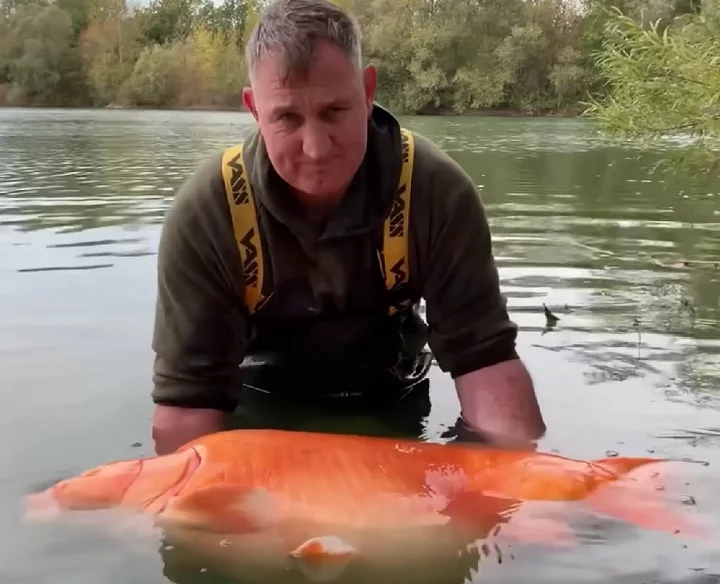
(319, 492)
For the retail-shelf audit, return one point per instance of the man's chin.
(319, 192)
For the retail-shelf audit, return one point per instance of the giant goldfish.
(327, 499)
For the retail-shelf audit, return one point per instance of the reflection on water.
(628, 262)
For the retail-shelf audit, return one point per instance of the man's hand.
(174, 426)
(499, 402)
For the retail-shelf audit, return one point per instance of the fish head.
(102, 487)
(143, 484)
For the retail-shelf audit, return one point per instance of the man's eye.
(334, 111)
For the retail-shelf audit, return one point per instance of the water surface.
(626, 259)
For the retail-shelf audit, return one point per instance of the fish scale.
(304, 487)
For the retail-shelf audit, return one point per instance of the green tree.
(109, 49)
(664, 82)
(156, 78)
(39, 55)
(433, 56)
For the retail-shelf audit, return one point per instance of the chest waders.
(410, 363)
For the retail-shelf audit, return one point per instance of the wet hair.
(290, 29)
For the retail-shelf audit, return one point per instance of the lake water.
(628, 260)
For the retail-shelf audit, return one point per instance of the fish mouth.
(39, 503)
(42, 486)
(40, 507)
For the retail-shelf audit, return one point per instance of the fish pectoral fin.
(228, 508)
(323, 558)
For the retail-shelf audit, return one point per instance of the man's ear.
(249, 101)
(370, 84)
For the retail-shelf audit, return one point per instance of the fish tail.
(623, 465)
(654, 516)
(641, 498)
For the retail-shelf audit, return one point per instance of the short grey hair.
(291, 28)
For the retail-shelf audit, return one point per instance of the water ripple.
(117, 173)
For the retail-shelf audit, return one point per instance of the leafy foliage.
(664, 83)
(433, 55)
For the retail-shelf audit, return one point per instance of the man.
(324, 171)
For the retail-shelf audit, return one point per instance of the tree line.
(645, 68)
(433, 56)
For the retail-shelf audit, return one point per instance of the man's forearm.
(186, 410)
(174, 426)
(190, 380)
(499, 402)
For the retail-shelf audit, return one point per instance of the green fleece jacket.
(329, 299)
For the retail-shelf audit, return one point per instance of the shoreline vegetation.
(433, 56)
(491, 113)
(642, 68)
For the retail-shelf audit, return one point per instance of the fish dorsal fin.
(323, 558)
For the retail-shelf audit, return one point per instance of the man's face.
(315, 129)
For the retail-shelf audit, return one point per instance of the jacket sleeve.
(200, 324)
(469, 327)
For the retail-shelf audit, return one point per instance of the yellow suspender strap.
(396, 265)
(245, 224)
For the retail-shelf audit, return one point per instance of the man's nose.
(316, 141)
